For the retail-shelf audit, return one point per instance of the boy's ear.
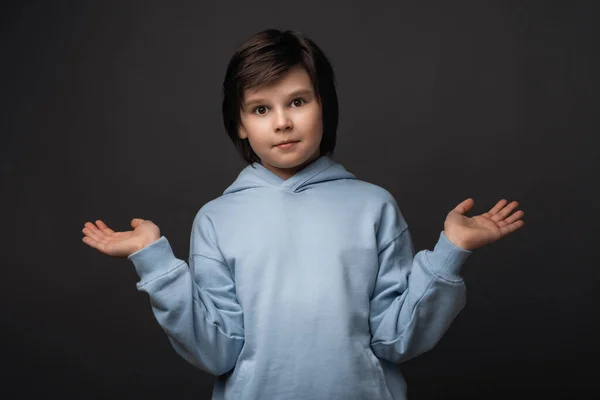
(242, 132)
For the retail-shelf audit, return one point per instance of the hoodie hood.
(323, 169)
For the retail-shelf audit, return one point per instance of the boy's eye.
(298, 102)
(260, 110)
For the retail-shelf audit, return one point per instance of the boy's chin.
(289, 162)
(284, 165)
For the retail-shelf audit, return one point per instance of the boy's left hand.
(471, 233)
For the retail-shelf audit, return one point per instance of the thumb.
(465, 206)
(135, 222)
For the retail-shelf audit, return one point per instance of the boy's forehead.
(292, 81)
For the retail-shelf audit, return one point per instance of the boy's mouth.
(286, 142)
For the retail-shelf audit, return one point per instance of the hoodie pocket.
(376, 372)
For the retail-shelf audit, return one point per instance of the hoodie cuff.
(446, 259)
(154, 260)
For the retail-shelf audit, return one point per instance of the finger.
(94, 229)
(136, 221)
(505, 211)
(93, 232)
(497, 207)
(98, 245)
(515, 217)
(465, 206)
(90, 227)
(89, 241)
(505, 230)
(102, 226)
(94, 243)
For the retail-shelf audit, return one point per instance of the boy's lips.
(286, 144)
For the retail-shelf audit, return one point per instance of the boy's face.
(286, 110)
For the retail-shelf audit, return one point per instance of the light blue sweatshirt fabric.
(305, 288)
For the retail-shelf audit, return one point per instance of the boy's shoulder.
(371, 191)
(211, 207)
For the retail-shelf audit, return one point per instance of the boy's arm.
(416, 297)
(195, 304)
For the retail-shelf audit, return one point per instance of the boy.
(302, 282)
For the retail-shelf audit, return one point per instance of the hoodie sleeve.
(195, 305)
(416, 297)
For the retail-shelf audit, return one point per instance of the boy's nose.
(282, 122)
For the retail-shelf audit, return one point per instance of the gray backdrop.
(111, 110)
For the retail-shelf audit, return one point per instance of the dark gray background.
(111, 110)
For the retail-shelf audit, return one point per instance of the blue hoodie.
(305, 288)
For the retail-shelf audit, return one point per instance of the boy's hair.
(266, 57)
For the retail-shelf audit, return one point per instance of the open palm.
(474, 232)
(120, 244)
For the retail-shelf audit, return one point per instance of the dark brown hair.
(266, 57)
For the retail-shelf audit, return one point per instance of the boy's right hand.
(120, 244)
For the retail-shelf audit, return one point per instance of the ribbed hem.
(154, 260)
(446, 259)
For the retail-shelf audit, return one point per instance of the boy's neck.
(287, 173)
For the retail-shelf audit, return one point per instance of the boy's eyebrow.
(298, 92)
